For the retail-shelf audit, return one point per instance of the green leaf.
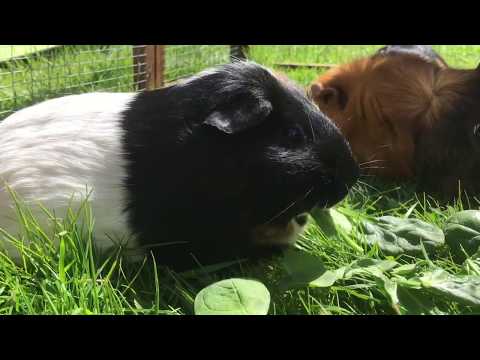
(390, 288)
(412, 283)
(367, 267)
(462, 230)
(396, 236)
(233, 297)
(328, 278)
(301, 269)
(461, 288)
(330, 221)
(414, 302)
(406, 269)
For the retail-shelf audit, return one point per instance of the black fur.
(229, 150)
(426, 52)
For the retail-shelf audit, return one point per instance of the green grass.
(10, 51)
(87, 68)
(462, 56)
(77, 280)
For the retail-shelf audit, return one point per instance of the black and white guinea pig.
(220, 166)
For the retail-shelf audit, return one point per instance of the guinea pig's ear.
(240, 114)
(327, 96)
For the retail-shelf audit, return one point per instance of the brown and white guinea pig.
(220, 166)
(382, 103)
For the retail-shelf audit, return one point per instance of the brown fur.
(383, 104)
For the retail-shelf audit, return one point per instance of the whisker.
(370, 162)
(373, 167)
(311, 127)
(384, 146)
(379, 148)
(289, 206)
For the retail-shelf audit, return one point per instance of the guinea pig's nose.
(346, 171)
(349, 172)
(339, 164)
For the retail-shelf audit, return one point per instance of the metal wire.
(33, 73)
(185, 60)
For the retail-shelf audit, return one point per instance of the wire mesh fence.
(184, 60)
(32, 73)
(304, 63)
(309, 54)
(457, 55)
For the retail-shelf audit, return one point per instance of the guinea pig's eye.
(476, 130)
(294, 133)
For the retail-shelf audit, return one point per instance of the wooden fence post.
(159, 66)
(149, 66)
(139, 67)
(150, 63)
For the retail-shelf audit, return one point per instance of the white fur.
(278, 234)
(61, 148)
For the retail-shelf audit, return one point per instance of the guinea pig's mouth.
(279, 234)
(321, 197)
